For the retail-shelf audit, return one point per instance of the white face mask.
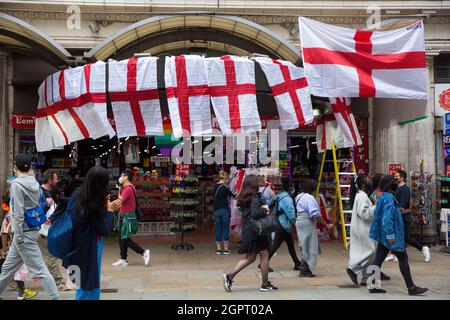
(121, 179)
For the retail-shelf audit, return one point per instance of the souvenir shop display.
(183, 204)
(421, 197)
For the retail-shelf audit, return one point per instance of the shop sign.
(446, 139)
(23, 121)
(394, 167)
(441, 99)
(447, 152)
(160, 159)
(182, 169)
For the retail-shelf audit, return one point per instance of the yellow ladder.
(344, 215)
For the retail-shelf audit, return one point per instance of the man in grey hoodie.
(24, 194)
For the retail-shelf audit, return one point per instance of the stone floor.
(197, 274)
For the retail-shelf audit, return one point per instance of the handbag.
(268, 224)
(34, 217)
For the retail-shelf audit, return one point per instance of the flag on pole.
(231, 82)
(134, 97)
(290, 90)
(188, 95)
(342, 62)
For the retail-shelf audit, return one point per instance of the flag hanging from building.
(67, 109)
(346, 120)
(134, 97)
(290, 90)
(342, 62)
(329, 132)
(188, 95)
(231, 82)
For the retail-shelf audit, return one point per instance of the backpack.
(35, 217)
(137, 209)
(61, 232)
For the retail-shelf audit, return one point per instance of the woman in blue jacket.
(92, 220)
(387, 229)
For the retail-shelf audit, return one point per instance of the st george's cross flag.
(231, 82)
(329, 132)
(342, 62)
(134, 97)
(346, 120)
(290, 90)
(72, 107)
(188, 95)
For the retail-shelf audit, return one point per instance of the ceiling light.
(296, 146)
(127, 138)
(195, 141)
(153, 147)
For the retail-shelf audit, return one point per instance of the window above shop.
(442, 68)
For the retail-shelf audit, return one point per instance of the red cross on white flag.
(71, 108)
(187, 95)
(329, 132)
(290, 90)
(346, 120)
(342, 62)
(134, 97)
(231, 82)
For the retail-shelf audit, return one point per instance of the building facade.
(39, 37)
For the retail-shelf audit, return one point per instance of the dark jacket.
(254, 211)
(86, 235)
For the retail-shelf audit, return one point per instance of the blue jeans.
(222, 218)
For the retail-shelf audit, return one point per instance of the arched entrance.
(194, 33)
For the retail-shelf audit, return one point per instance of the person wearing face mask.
(47, 202)
(387, 230)
(127, 221)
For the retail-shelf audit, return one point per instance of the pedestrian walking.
(250, 203)
(92, 216)
(387, 229)
(127, 222)
(308, 214)
(24, 248)
(286, 216)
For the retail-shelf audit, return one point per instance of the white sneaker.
(146, 257)
(391, 257)
(120, 263)
(426, 253)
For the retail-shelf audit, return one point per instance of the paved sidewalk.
(197, 274)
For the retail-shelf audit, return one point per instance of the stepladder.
(344, 172)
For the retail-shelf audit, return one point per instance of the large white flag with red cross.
(290, 90)
(342, 62)
(232, 87)
(188, 95)
(72, 107)
(133, 91)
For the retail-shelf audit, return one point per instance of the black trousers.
(403, 264)
(281, 235)
(408, 239)
(128, 243)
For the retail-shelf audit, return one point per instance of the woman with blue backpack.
(92, 214)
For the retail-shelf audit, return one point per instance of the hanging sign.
(394, 167)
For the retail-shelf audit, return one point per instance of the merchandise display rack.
(183, 203)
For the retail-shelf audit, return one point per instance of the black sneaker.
(268, 287)
(353, 276)
(297, 267)
(218, 251)
(416, 291)
(384, 277)
(270, 269)
(227, 283)
(306, 274)
(376, 290)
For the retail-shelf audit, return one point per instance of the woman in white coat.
(362, 247)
